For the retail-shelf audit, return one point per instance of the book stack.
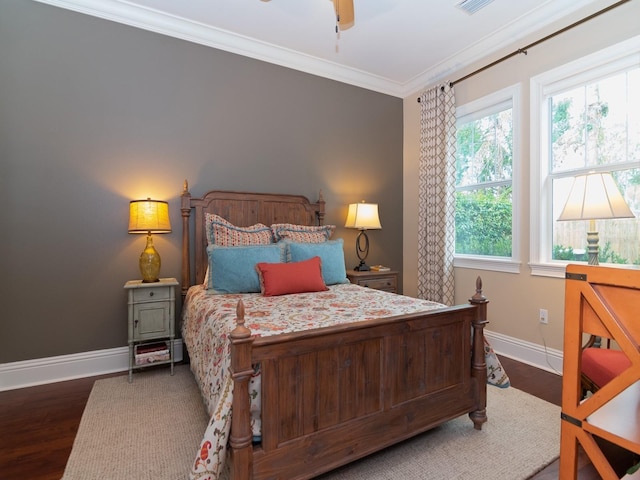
(379, 268)
(146, 353)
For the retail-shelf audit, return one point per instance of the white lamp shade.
(595, 196)
(363, 216)
(149, 216)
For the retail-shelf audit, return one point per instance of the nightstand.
(387, 281)
(151, 323)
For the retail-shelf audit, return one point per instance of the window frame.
(487, 105)
(589, 68)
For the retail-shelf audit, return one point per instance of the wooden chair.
(600, 301)
(600, 364)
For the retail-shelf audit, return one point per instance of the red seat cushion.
(601, 364)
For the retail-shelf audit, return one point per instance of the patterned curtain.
(436, 194)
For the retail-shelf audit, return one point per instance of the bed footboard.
(336, 394)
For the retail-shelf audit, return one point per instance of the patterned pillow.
(495, 372)
(222, 232)
(302, 233)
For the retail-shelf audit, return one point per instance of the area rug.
(521, 437)
(148, 429)
(151, 429)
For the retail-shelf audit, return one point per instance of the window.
(486, 160)
(589, 120)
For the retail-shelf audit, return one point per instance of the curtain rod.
(537, 42)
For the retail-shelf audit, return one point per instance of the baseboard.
(88, 364)
(539, 356)
(40, 371)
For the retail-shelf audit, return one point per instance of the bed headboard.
(242, 209)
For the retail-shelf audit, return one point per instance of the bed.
(308, 395)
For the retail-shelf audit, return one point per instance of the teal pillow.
(233, 269)
(331, 254)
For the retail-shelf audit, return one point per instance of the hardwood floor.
(38, 424)
(548, 386)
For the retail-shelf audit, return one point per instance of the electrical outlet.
(544, 316)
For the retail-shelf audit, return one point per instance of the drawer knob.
(151, 294)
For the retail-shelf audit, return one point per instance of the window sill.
(495, 264)
(557, 270)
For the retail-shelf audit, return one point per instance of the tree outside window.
(484, 190)
(596, 126)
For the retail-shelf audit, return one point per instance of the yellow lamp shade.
(149, 216)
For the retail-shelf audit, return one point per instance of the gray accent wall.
(94, 114)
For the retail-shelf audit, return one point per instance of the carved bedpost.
(320, 212)
(241, 371)
(479, 364)
(185, 207)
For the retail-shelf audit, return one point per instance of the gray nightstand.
(151, 323)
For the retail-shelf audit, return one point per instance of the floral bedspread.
(208, 319)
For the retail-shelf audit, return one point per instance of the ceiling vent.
(472, 6)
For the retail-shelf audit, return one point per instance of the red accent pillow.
(293, 277)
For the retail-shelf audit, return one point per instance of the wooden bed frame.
(336, 394)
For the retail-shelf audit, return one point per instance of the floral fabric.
(208, 320)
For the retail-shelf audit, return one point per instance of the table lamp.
(149, 216)
(594, 196)
(363, 216)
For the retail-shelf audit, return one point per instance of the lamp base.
(592, 247)
(362, 267)
(150, 263)
(362, 250)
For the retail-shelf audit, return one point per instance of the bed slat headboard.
(242, 209)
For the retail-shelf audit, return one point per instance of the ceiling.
(395, 47)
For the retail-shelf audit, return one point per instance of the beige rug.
(151, 429)
(521, 437)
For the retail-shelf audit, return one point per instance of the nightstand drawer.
(387, 281)
(381, 283)
(151, 294)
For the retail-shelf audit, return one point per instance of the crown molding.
(165, 24)
(148, 19)
(511, 33)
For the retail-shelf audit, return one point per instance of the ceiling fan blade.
(344, 13)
